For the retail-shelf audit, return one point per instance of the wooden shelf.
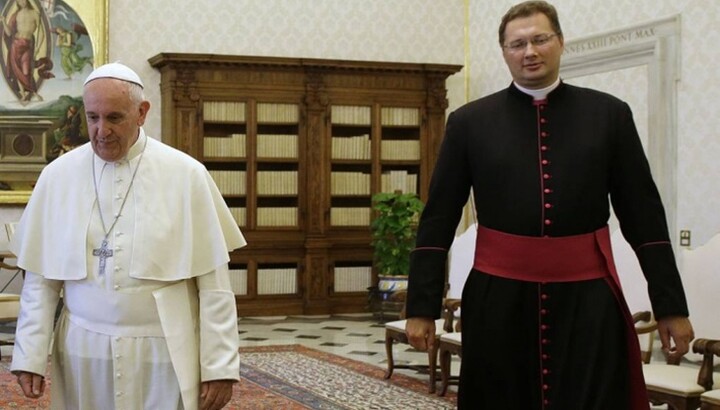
(320, 119)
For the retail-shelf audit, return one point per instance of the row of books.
(232, 146)
(352, 278)
(224, 111)
(403, 150)
(350, 114)
(355, 147)
(277, 182)
(277, 146)
(361, 115)
(286, 183)
(234, 111)
(346, 279)
(277, 216)
(349, 183)
(392, 181)
(277, 113)
(229, 182)
(277, 281)
(239, 214)
(399, 116)
(238, 281)
(349, 216)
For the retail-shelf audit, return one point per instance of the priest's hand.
(420, 333)
(32, 385)
(676, 333)
(215, 394)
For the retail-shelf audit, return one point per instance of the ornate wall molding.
(654, 44)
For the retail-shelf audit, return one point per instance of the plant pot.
(392, 283)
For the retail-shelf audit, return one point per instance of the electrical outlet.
(684, 238)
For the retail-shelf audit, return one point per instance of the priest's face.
(114, 116)
(532, 51)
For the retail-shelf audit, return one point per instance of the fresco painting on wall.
(47, 49)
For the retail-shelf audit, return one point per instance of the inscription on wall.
(612, 40)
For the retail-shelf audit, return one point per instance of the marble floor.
(360, 337)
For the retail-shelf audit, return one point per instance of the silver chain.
(127, 193)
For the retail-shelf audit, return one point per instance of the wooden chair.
(449, 343)
(395, 333)
(680, 387)
(9, 307)
(710, 400)
(9, 303)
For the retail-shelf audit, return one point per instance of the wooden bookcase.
(298, 147)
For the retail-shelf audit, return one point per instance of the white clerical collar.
(137, 147)
(541, 93)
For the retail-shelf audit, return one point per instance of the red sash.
(562, 259)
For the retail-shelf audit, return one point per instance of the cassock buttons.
(548, 206)
(544, 134)
(548, 222)
(546, 176)
(543, 148)
(545, 162)
(547, 191)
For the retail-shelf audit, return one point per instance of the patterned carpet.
(295, 377)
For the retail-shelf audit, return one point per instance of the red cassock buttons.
(544, 134)
(543, 121)
(545, 162)
(547, 190)
(548, 222)
(543, 148)
(548, 206)
(546, 176)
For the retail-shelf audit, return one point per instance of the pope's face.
(114, 120)
(533, 66)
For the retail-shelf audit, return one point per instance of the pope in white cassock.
(136, 236)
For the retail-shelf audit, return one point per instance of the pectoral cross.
(103, 252)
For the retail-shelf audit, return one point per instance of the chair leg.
(389, 352)
(444, 358)
(432, 369)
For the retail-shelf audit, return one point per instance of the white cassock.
(160, 317)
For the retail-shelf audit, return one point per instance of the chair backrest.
(645, 327)
(709, 349)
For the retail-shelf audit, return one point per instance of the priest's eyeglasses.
(537, 41)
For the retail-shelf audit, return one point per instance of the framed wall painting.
(47, 49)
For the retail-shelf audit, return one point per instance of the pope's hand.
(215, 394)
(32, 385)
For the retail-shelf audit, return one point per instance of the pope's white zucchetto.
(117, 71)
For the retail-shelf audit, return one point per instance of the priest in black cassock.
(545, 324)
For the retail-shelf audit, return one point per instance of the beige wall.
(434, 31)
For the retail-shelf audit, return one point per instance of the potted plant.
(394, 230)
